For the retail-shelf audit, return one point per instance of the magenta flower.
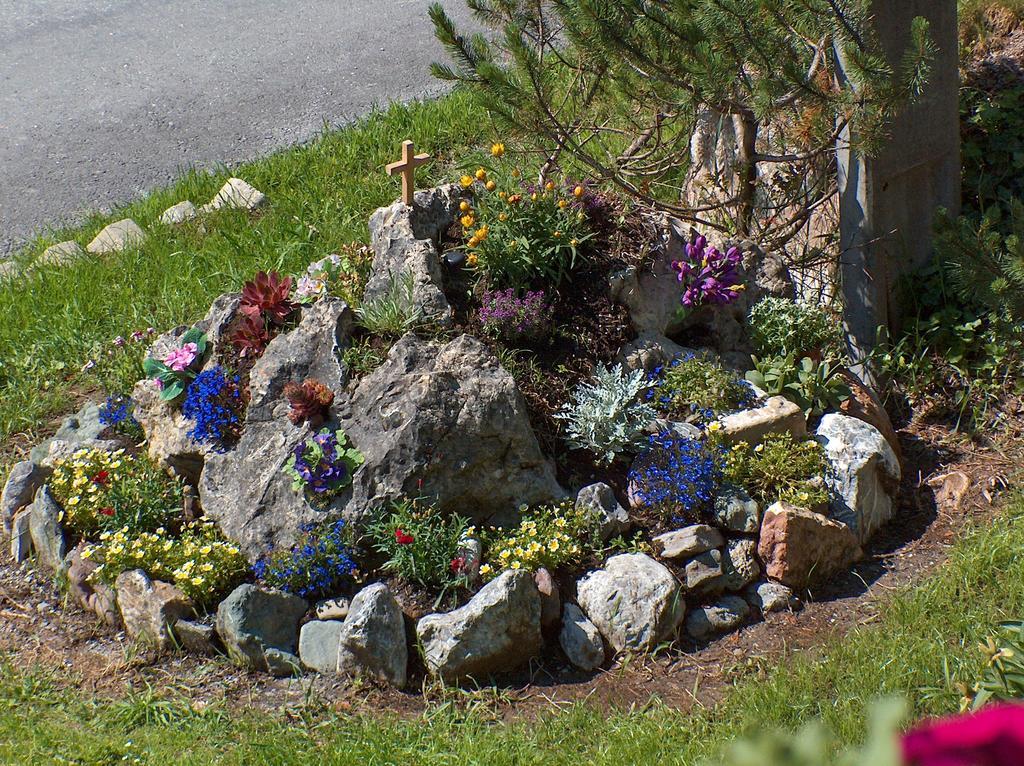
(708, 276)
(119, 341)
(992, 737)
(179, 359)
(137, 335)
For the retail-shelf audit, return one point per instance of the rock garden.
(528, 421)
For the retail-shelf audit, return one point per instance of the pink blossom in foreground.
(179, 359)
(993, 736)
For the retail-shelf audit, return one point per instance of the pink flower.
(138, 335)
(991, 737)
(180, 358)
(119, 341)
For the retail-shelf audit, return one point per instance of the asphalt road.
(101, 100)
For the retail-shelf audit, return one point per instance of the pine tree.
(652, 95)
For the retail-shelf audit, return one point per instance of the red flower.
(991, 737)
(402, 538)
(107, 511)
(102, 478)
(458, 564)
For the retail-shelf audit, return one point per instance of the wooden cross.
(406, 167)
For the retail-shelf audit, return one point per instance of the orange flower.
(491, 186)
(472, 259)
(550, 186)
(562, 204)
(481, 174)
(577, 192)
(465, 207)
(467, 221)
(466, 181)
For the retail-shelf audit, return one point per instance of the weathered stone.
(333, 608)
(179, 213)
(777, 415)
(580, 639)
(650, 350)
(246, 490)
(498, 630)
(740, 564)
(865, 475)
(45, 528)
(950, 490)
(319, 641)
(21, 536)
(259, 628)
(767, 597)
(599, 501)
(799, 547)
(688, 541)
(704, 573)
(165, 427)
(445, 421)
(236, 194)
(726, 614)
(404, 241)
(95, 597)
(372, 639)
(736, 510)
(23, 482)
(116, 237)
(865, 405)
(79, 430)
(196, 637)
(635, 602)
(550, 598)
(149, 608)
(61, 254)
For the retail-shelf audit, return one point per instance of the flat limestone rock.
(61, 254)
(236, 194)
(777, 415)
(179, 213)
(116, 237)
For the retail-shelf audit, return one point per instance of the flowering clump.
(605, 416)
(213, 402)
(117, 412)
(780, 468)
(323, 464)
(697, 389)
(551, 537)
(200, 563)
(675, 476)
(709, 277)
(343, 274)
(177, 369)
(108, 490)
(317, 565)
(506, 316)
(517, 234)
(421, 545)
(115, 363)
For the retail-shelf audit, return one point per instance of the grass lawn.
(921, 647)
(321, 196)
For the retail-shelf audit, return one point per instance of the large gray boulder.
(372, 639)
(865, 475)
(497, 631)
(318, 645)
(150, 608)
(405, 241)
(245, 489)
(445, 421)
(19, 491)
(259, 628)
(635, 602)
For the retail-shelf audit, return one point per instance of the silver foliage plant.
(606, 416)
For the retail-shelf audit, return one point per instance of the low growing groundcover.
(922, 648)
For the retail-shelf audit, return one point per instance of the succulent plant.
(309, 400)
(267, 297)
(250, 337)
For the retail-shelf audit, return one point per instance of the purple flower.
(708, 276)
(505, 315)
(119, 341)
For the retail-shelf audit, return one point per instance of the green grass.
(920, 646)
(321, 196)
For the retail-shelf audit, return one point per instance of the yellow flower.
(481, 233)
(577, 192)
(503, 194)
(714, 427)
(553, 545)
(574, 242)
(557, 234)
(464, 206)
(473, 241)
(467, 221)
(516, 565)
(533, 196)
(516, 173)
(505, 554)
(481, 174)
(497, 149)
(466, 181)
(562, 204)
(502, 217)
(550, 186)
(472, 259)
(490, 186)
(485, 569)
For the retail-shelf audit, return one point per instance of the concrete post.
(888, 201)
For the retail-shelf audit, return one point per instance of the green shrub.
(519, 237)
(605, 416)
(698, 388)
(816, 386)
(779, 327)
(394, 313)
(421, 545)
(780, 468)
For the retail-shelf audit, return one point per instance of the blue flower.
(676, 475)
(212, 403)
(116, 410)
